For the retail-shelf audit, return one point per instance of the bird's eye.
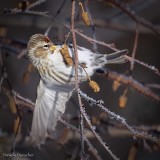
(46, 46)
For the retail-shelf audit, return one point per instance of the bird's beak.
(52, 48)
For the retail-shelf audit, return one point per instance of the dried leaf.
(95, 120)
(110, 4)
(3, 31)
(12, 103)
(26, 74)
(25, 77)
(23, 4)
(122, 101)
(116, 85)
(65, 53)
(103, 115)
(132, 153)
(16, 123)
(64, 137)
(156, 147)
(85, 18)
(30, 67)
(94, 86)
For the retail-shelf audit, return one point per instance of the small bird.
(57, 81)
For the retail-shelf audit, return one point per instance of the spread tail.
(114, 58)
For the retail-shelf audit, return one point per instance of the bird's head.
(39, 46)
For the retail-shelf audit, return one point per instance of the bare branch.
(95, 47)
(36, 3)
(76, 78)
(134, 48)
(132, 83)
(96, 134)
(135, 17)
(150, 67)
(91, 148)
(112, 115)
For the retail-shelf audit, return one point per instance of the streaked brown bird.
(57, 81)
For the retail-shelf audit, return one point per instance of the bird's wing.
(50, 104)
(94, 61)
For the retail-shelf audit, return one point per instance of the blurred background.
(111, 25)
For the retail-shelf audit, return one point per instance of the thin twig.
(5, 74)
(96, 134)
(95, 48)
(1, 65)
(1, 59)
(22, 53)
(132, 83)
(23, 101)
(134, 48)
(135, 17)
(60, 8)
(150, 67)
(36, 3)
(16, 133)
(112, 115)
(5, 77)
(111, 46)
(155, 86)
(57, 13)
(91, 148)
(117, 3)
(76, 77)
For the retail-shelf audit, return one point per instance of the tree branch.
(132, 83)
(119, 4)
(76, 78)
